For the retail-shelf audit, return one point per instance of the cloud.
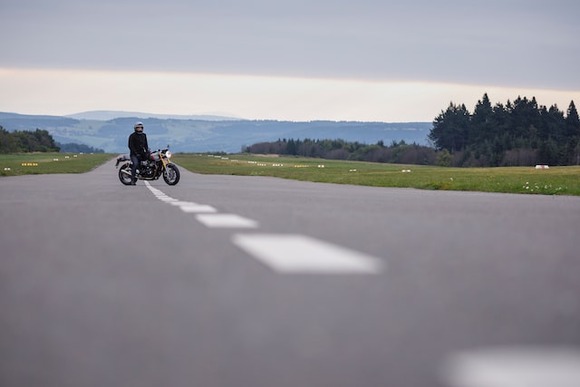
(296, 60)
(500, 43)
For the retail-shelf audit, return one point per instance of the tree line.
(26, 141)
(517, 133)
(78, 148)
(396, 152)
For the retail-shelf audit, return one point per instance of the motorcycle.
(156, 166)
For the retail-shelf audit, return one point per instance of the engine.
(148, 169)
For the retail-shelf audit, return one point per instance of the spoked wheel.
(125, 174)
(171, 174)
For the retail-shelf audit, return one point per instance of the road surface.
(255, 281)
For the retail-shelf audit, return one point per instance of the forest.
(22, 141)
(26, 141)
(397, 152)
(519, 133)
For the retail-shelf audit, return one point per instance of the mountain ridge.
(106, 115)
(207, 135)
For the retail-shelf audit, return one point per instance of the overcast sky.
(286, 59)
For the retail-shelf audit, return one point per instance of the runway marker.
(514, 367)
(179, 203)
(302, 254)
(226, 221)
(282, 253)
(167, 199)
(187, 207)
(197, 208)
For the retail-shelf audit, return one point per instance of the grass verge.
(519, 180)
(42, 163)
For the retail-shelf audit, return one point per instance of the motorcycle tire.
(171, 175)
(125, 174)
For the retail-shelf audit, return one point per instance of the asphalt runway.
(255, 281)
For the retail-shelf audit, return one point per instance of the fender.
(122, 158)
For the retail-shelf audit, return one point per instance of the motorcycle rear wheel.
(171, 175)
(125, 174)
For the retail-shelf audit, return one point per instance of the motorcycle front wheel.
(125, 174)
(171, 174)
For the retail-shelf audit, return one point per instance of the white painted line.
(179, 203)
(301, 254)
(514, 367)
(197, 208)
(185, 206)
(154, 190)
(167, 199)
(226, 221)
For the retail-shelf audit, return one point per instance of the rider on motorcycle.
(139, 149)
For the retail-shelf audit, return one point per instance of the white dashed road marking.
(282, 253)
(216, 220)
(226, 221)
(187, 207)
(514, 367)
(190, 207)
(301, 254)
(197, 208)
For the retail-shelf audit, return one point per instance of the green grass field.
(42, 163)
(521, 180)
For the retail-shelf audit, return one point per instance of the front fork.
(165, 164)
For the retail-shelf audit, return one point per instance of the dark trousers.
(135, 161)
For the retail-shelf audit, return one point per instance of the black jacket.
(138, 144)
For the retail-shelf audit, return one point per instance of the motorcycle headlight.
(168, 154)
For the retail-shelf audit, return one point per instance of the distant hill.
(14, 121)
(207, 135)
(105, 115)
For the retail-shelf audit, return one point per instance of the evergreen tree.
(483, 124)
(572, 148)
(501, 119)
(525, 114)
(291, 147)
(451, 128)
(572, 121)
(554, 125)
